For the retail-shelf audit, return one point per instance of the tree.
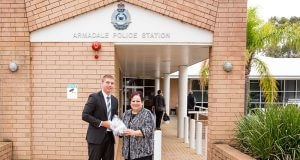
(259, 36)
(286, 50)
(204, 74)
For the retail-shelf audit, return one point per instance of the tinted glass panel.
(129, 82)
(134, 82)
(205, 96)
(254, 85)
(254, 96)
(198, 96)
(195, 85)
(139, 82)
(298, 95)
(290, 85)
(289, 95)
(149, 91)
(128, 94)
(298, 85)
(280, 85)
(279, 97)
(149, 82)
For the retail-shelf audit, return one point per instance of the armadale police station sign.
(122, 22)
(124, 35)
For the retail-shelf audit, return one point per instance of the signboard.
(72, 91)
(122, 22)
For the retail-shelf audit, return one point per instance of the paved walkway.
(173, 148)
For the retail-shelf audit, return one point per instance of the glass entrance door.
(128, 92)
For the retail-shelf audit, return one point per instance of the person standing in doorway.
(98, 112)
(159, 106)
(190, 103)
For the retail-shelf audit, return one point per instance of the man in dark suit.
(190, 103)
(98, 112)
(159, 106)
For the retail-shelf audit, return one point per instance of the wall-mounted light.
(227, 66)
(13, 66)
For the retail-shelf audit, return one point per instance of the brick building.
(50, 41)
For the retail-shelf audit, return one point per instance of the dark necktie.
(108, 108)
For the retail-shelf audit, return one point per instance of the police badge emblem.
(121, 17)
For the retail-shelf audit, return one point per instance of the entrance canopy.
(153, 60)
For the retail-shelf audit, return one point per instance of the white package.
(117, 126)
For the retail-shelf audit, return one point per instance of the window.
(280, 97)
(149, 82)
(134, 82)
(201, 94)
(288, 90)
(254, 85)
(290, 85)
(255, 97)
(198, 96)
(195, 85)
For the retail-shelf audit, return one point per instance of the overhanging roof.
(280, 68)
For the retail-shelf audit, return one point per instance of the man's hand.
(105, 124)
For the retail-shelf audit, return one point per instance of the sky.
(279, 8)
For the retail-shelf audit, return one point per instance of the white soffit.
(146, 26)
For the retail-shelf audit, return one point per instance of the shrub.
(271, 134)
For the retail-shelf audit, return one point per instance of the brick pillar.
(226, 89)
(15, 92)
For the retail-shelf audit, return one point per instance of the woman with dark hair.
(138, 138)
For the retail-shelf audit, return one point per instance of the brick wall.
(15, 98)
(5, 150)
(225, 152)
(226, 90)
(58, 131)
(42, 13)
(34, 111)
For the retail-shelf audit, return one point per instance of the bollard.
(199, 138)
(205, 145)
(157, 145)
(192, 133)
(186, 129)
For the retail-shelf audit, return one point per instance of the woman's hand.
(129, 132)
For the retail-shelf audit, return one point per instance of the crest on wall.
(121, 17)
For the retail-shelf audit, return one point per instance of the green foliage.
(289, 46)
(271, 134)
(253, 24)
(267, 82)
(204, 74)
(259, 35)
